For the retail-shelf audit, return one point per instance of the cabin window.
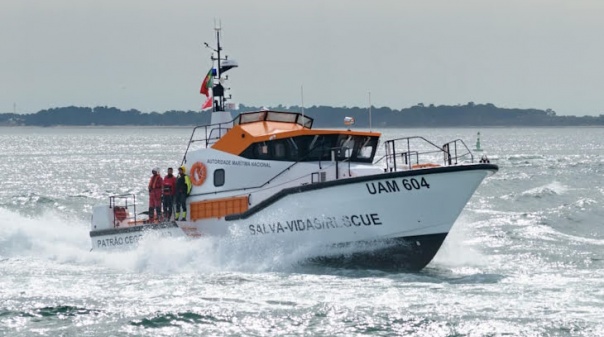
(345, 146)
(315, 148)
(261, 151)
(320, 147)
(293, 149)
(366, 150)
(279, 149)
(218, 177)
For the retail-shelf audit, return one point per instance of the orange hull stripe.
(218, 208)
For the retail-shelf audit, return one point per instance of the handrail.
(125, 197)
(408, 139)
(454, 142)
(407, 156)
(207, 137)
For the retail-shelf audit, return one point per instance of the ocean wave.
(584, 203)
(50, 312)
(62, 311)
(544, 232)
(523, 157)
(162, 320)
(48, 235)
(552, 189)
(32, 200)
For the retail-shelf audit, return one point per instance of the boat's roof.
(254, 127)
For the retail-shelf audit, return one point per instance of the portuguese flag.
(207, 104)
(207, 83)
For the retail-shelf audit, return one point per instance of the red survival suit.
(169, 193)
(155, 188)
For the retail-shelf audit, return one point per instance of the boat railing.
(418, 152)
(120, 206)
(207, 135)
(460, 150)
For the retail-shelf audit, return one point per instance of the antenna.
(220, 106)
(302, 97)
(370, 111)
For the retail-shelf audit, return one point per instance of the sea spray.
(50, 236)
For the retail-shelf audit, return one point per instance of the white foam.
(457, 250)
(52, 237)
(553, 188)
(48, 235)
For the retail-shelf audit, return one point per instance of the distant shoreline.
(419, 116)
(188, 127)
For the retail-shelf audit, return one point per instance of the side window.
(261, 151)
(320, 148)
(279, 149)
(293, 149)
(366, 149)
(365, 152)
(345, 145)
(218, 177)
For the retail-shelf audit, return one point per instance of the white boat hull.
(389, 221)
(129, 237)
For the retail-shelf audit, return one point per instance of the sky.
(149, 55)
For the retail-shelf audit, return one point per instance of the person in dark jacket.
(155, 189)
(169, 192)
(183, 189)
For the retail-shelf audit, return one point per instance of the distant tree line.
(325, 116)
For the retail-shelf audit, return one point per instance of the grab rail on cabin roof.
(411, 154)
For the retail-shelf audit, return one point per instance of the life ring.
(198, 174)
(426, 165)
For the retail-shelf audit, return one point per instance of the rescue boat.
(269, 176)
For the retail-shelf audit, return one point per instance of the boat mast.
(220, 65)
(218, 89)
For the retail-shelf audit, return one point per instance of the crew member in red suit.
(155, 189)
(169, 192)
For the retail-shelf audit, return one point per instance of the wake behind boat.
(268, 176)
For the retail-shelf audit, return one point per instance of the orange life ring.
(198, 174)
(426, 165)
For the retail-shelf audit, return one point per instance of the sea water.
(525, 258)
